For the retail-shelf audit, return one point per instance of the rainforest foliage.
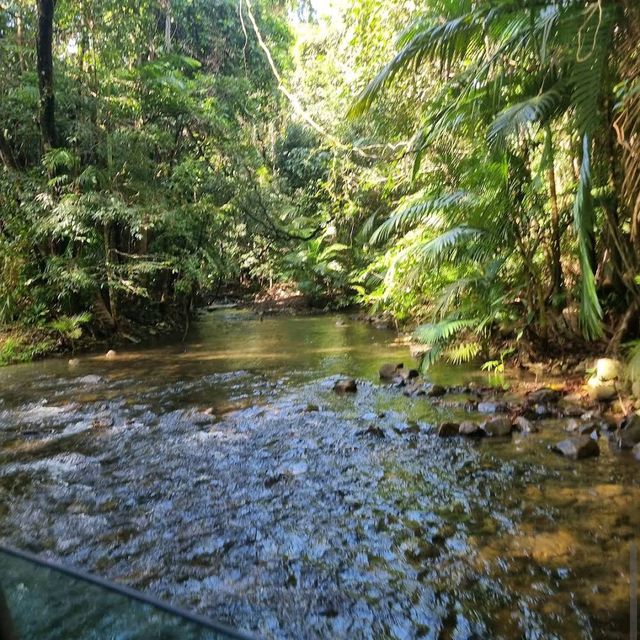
(471, 167)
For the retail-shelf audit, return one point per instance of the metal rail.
(128, 592)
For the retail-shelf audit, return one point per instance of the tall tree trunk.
(45, 72)
(167, 26)
(556, 265)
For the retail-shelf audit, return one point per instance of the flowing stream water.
(226, 476)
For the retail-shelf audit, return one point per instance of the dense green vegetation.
(485, 184)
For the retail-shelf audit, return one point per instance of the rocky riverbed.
(275, 504)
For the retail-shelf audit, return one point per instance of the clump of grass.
(24, 346)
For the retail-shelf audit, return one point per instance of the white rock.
(609, 369)
(600, 390)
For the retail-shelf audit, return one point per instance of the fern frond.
(463, 352)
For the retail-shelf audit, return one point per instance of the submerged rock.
(523, 425)
(471, 429)
(636, 452)
(448, 429)
(389, 371)
(436, 390)
(346, 385)
(578, 448)
(497, 427)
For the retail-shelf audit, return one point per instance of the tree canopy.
(485, 184)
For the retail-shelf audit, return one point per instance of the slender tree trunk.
(556, 253)
(6, 155)
(45, 72)
(20, 42)
(167, 26)
(110, 257)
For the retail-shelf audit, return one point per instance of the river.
(225, 475)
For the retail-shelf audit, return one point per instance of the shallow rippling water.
(227, 477)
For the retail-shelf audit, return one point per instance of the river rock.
(602, 391)
(578, 447)
(629, 437)
(389, 371)
(542, 411)
(436, 390)
(111, 355)
(346, 385)
(448, 429)
(90, 379)
(410, 374)
(491, 407)
(469, 428)
(523, 425)
(497, 427)
(572, 410)
(544, 395)
(608, 369)
(587, 428)
(636, 452)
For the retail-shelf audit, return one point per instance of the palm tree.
(512, 69)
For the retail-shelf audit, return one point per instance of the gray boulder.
(578, 448)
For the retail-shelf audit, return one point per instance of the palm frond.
(539, 108)
(437, 247)
(584, 222)
(422, 210)
(444, 42)
(440, 332)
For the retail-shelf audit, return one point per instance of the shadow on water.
(226, 476)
